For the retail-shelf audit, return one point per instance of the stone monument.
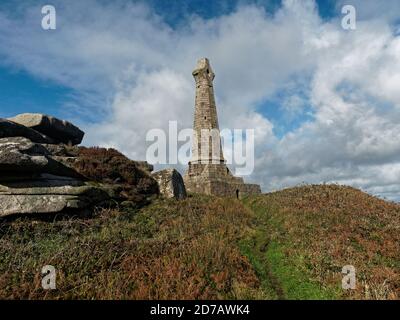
(208, 172)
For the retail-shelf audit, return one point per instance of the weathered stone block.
(60, 130)
(12, 129)
(22, 155)
(171, 183)
(48, 199)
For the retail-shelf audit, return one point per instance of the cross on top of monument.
(203, 70)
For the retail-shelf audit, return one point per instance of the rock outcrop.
(18, 154)
(12, 129)
(60, 130)
(42, 170)
(170, 183)
(49, 199)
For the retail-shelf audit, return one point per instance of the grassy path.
(283, 276)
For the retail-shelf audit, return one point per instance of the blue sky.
(324, 101)
(21, 91)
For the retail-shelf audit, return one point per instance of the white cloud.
(356, 130)
(155, 99)
(126, 56)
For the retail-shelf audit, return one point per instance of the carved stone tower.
(206, 148)
(207, 172)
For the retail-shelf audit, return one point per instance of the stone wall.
(221, 188)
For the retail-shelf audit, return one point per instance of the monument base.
(216, 179)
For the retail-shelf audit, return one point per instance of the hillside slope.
(311, 232)
(290, 244)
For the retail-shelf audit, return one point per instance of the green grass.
(282, 276)
(294, 280)
(252, 248)
(290, 244)
(311, 232)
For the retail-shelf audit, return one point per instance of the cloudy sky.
(324, 101)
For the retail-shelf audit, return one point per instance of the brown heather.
(331, 226)
(112, 167)
(170, 250)
(290, 244)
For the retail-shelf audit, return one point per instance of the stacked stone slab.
(38, 154)
(207, 172)
(12, 129)
(31, 180)
(60, 131)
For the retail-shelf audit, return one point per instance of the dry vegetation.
(290, 244)
(112, 167)
(320, 229)
(174, 250)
